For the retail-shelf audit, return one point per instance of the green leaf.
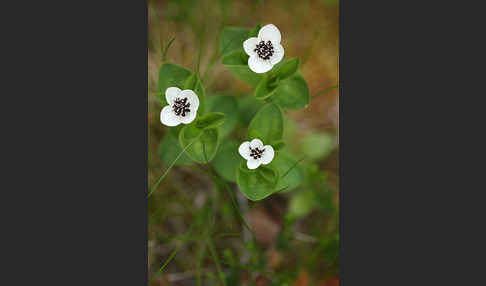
(265, 89)
(205, 142)
(268, 174)
(296, 94)
(292, 93)
(267, 125)
(191, 82)
(227, 105)
(302, 203)
(232, 38)
(176, 130)
(254, 32)
(210, 120)
(168, 150)
(317, 145)
(174, 75)
(237, 62)
(256, 184)
(227, 160)
(278, 145)
(248, 106)
(200, 92)
(283, 162)
(285, 69)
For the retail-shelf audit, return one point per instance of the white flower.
(182, 108)
(264, 51)
(255, 153)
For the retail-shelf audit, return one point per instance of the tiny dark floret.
(264, 50)
(181, 106)
(256, 153)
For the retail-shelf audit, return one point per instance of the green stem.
(220, 182)
(293, 166)
(214, 255)
(168, 169)
(173, 253)
(164, 55)
(325, 91)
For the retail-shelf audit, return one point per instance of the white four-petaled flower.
(264, 50)
(182, 108)
(255, 153)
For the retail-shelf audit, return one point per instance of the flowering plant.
(256, 162)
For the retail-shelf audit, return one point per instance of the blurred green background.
(195, 234)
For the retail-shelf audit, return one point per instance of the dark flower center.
(181, 106)
(264, 50)
(256, 153)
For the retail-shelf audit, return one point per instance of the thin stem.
(293, 166)
(164, 55)
(224, 234)
(220, 182)
(200, 257)
(215, 59)
(202, 33)
(168, 169)
(172, 255)
(200, 53)
(325, 91)
(156, 26)
(214, 255)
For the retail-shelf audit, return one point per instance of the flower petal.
(171, 94)
(191, 98)
(259, 66)
(256, 143)
(244, 150)
(267, 155)
(252, 163)
(270, 32)
(190, 116)
(278, 54)
(168, 117)
(250, 45)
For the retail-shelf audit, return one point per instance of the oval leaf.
(292, 93)
(256, 184)
(264, 89)
(227, 160)
(237, 63)
(291, 173)
(194, 82)
(203, 143)
(278, 145)
(227, 105)
(210, 120)
(286, 68)
(317, 145)
(267, 125)
(248, 106)
(174, 75)
(254, 31)
(232, 38)
(191, 82)
(302, 203)
(169, 149)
